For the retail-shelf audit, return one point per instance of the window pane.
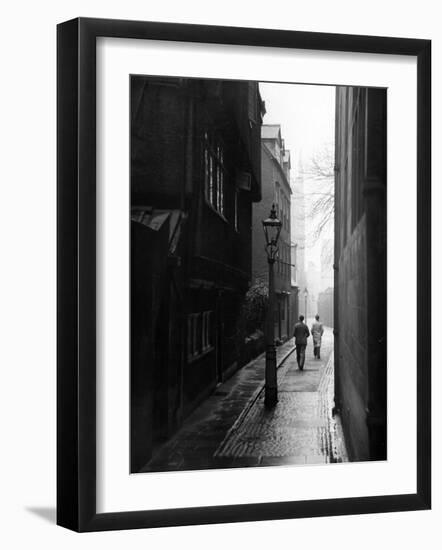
(218, 199)
(206, 173)
(221, 190)
(211, 192)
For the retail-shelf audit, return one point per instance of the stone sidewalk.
(232, 428)
(301, 428)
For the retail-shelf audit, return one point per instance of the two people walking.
(301, 333)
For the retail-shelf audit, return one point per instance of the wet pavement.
(232, 428)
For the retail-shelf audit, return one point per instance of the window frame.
(199, 334)
(215, 173)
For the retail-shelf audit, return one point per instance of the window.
(294, 262)
(206, 330)
(287, 214)
(199, 334)
(287, 259)
(193, 343)
(214, 172)
(235, 213)
(276, 198)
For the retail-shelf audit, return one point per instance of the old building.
(360, 270)
(325, 307)
(327, 275)
(275, 173)
(195, 170)
(297, 211)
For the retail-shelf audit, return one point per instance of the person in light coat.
(317, 332)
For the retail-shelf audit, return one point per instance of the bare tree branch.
(320, 196)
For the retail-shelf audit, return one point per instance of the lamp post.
(305, 297)
(272, 228)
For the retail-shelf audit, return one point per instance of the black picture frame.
(76, 273)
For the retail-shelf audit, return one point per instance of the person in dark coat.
(301, 333)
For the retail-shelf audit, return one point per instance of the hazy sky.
(306, 114)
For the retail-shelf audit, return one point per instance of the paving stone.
(234, 429)
(301, 424)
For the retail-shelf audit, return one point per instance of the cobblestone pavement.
(301, 428)
(232, 428)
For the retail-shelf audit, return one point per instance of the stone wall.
(353, 341)
(360, 270)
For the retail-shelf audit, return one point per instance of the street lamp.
(305, 297)
(272, 229)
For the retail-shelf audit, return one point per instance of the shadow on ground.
(44, 512)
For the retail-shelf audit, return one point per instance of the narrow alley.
(280, 214)
(233, 428)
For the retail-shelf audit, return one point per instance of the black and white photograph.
(258, 274)
(220, 297)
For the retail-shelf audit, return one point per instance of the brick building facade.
(275, 178)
